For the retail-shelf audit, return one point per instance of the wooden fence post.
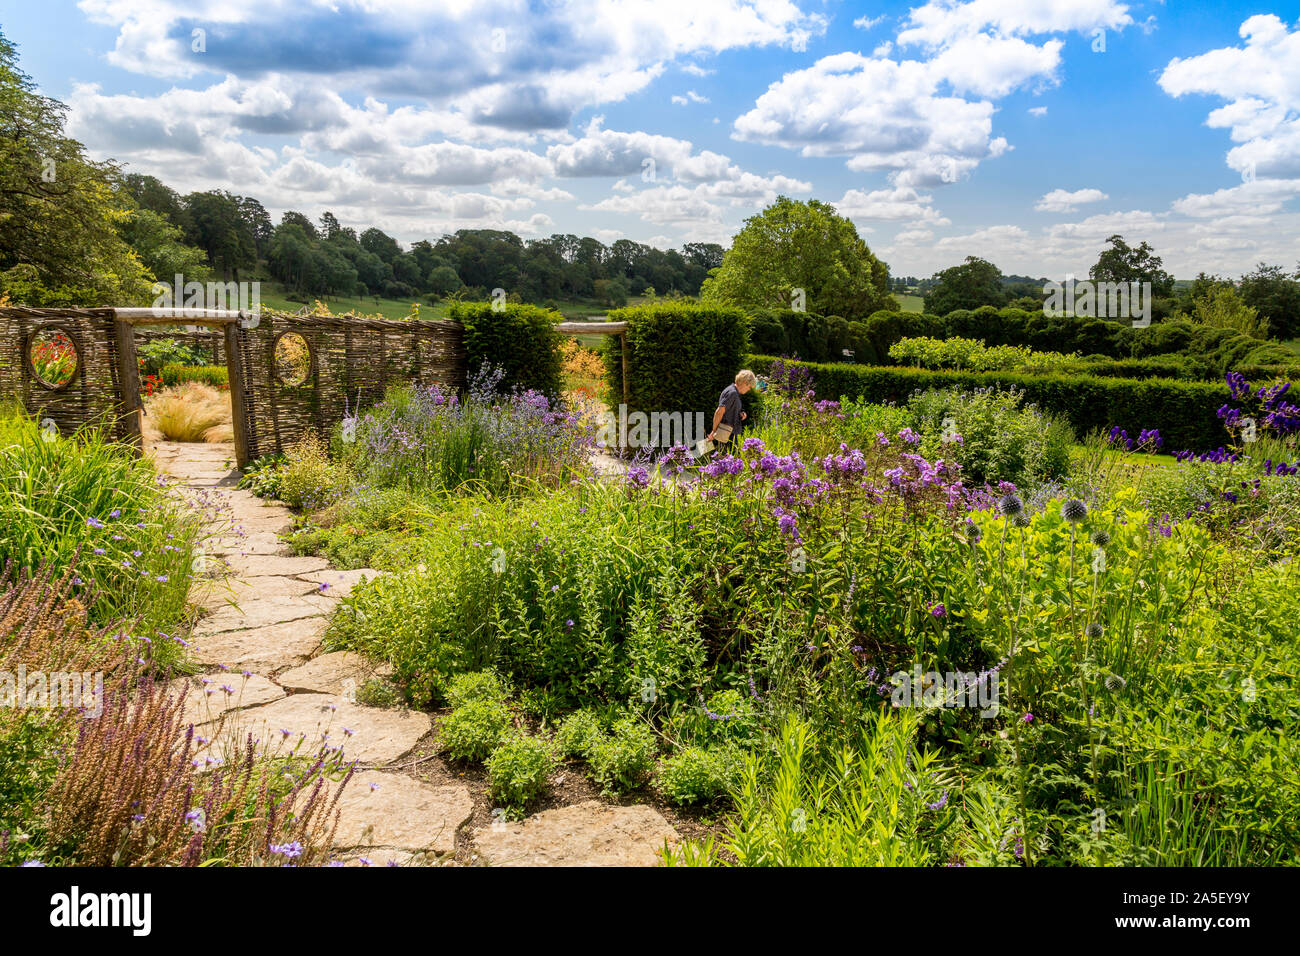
(238, 396)
(627, 387)
(128, 376)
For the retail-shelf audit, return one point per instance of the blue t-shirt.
(730, 400)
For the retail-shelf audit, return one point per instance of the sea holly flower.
(1074, 511)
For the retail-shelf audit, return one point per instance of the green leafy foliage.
(474, 729)
(519, 339)
(681, 355)
(518, 771)
(792, 247)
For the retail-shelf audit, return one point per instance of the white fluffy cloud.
(881, 114)
(926, 121)
(513, 64)
(900, 204)
(1261, 83)
(1063, 200)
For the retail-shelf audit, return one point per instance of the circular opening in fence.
(292, 359)
(54, 358)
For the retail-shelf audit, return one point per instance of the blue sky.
(1024, 131)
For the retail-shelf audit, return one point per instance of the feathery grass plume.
(191, 412)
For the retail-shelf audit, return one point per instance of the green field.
(909, 303)
(275, 296)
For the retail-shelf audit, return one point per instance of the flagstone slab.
(262, 650)
(331, 674)
(256, 565)
(216, 595)
(584, 834)
(206, 696)
(261, 612)
(397, 811)
(256, 542)
(371, 735)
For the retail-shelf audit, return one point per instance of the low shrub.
(624, 760)
(579, 733)
(427, 439)
(262, 477)
(992, 434)
(157, 355)
(477, 685)
(699, 775)
(518, 771)
(474, 729)
(311, 480)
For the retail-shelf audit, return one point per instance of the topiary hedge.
(1206, 352)
(681, 355)
(1184, 412)
(520, 339)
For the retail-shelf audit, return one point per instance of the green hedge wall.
(1184, 412)
(521, 339)
(681, 355)
(215, 375)
(1207, 353)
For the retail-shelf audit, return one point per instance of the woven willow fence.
(344, 363)
(93, 394)
(350, 362)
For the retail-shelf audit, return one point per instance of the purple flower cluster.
(1275, 412)
(1219, 456)
(1148, 439)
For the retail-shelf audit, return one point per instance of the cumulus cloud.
(1260, 81)
(690, 97)
(925, 120)
(901, 204)
(1062, 200)
(507, 63)
(881, 114)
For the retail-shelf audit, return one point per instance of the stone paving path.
(258, 646)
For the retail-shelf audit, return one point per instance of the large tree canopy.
(974, 283)
(794, 245)
(60, 213)
(1125, 263)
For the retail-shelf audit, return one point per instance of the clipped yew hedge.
(681, 355)
(520, 339)
(1184, 412)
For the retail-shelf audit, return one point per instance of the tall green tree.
(219, 227)
(1125, 263)
(975, 283)
(1276, 296)
(792, 246)
(59, 212)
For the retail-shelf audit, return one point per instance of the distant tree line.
(1264, 303)
(235, 234)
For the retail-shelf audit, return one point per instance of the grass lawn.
(909, 303)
